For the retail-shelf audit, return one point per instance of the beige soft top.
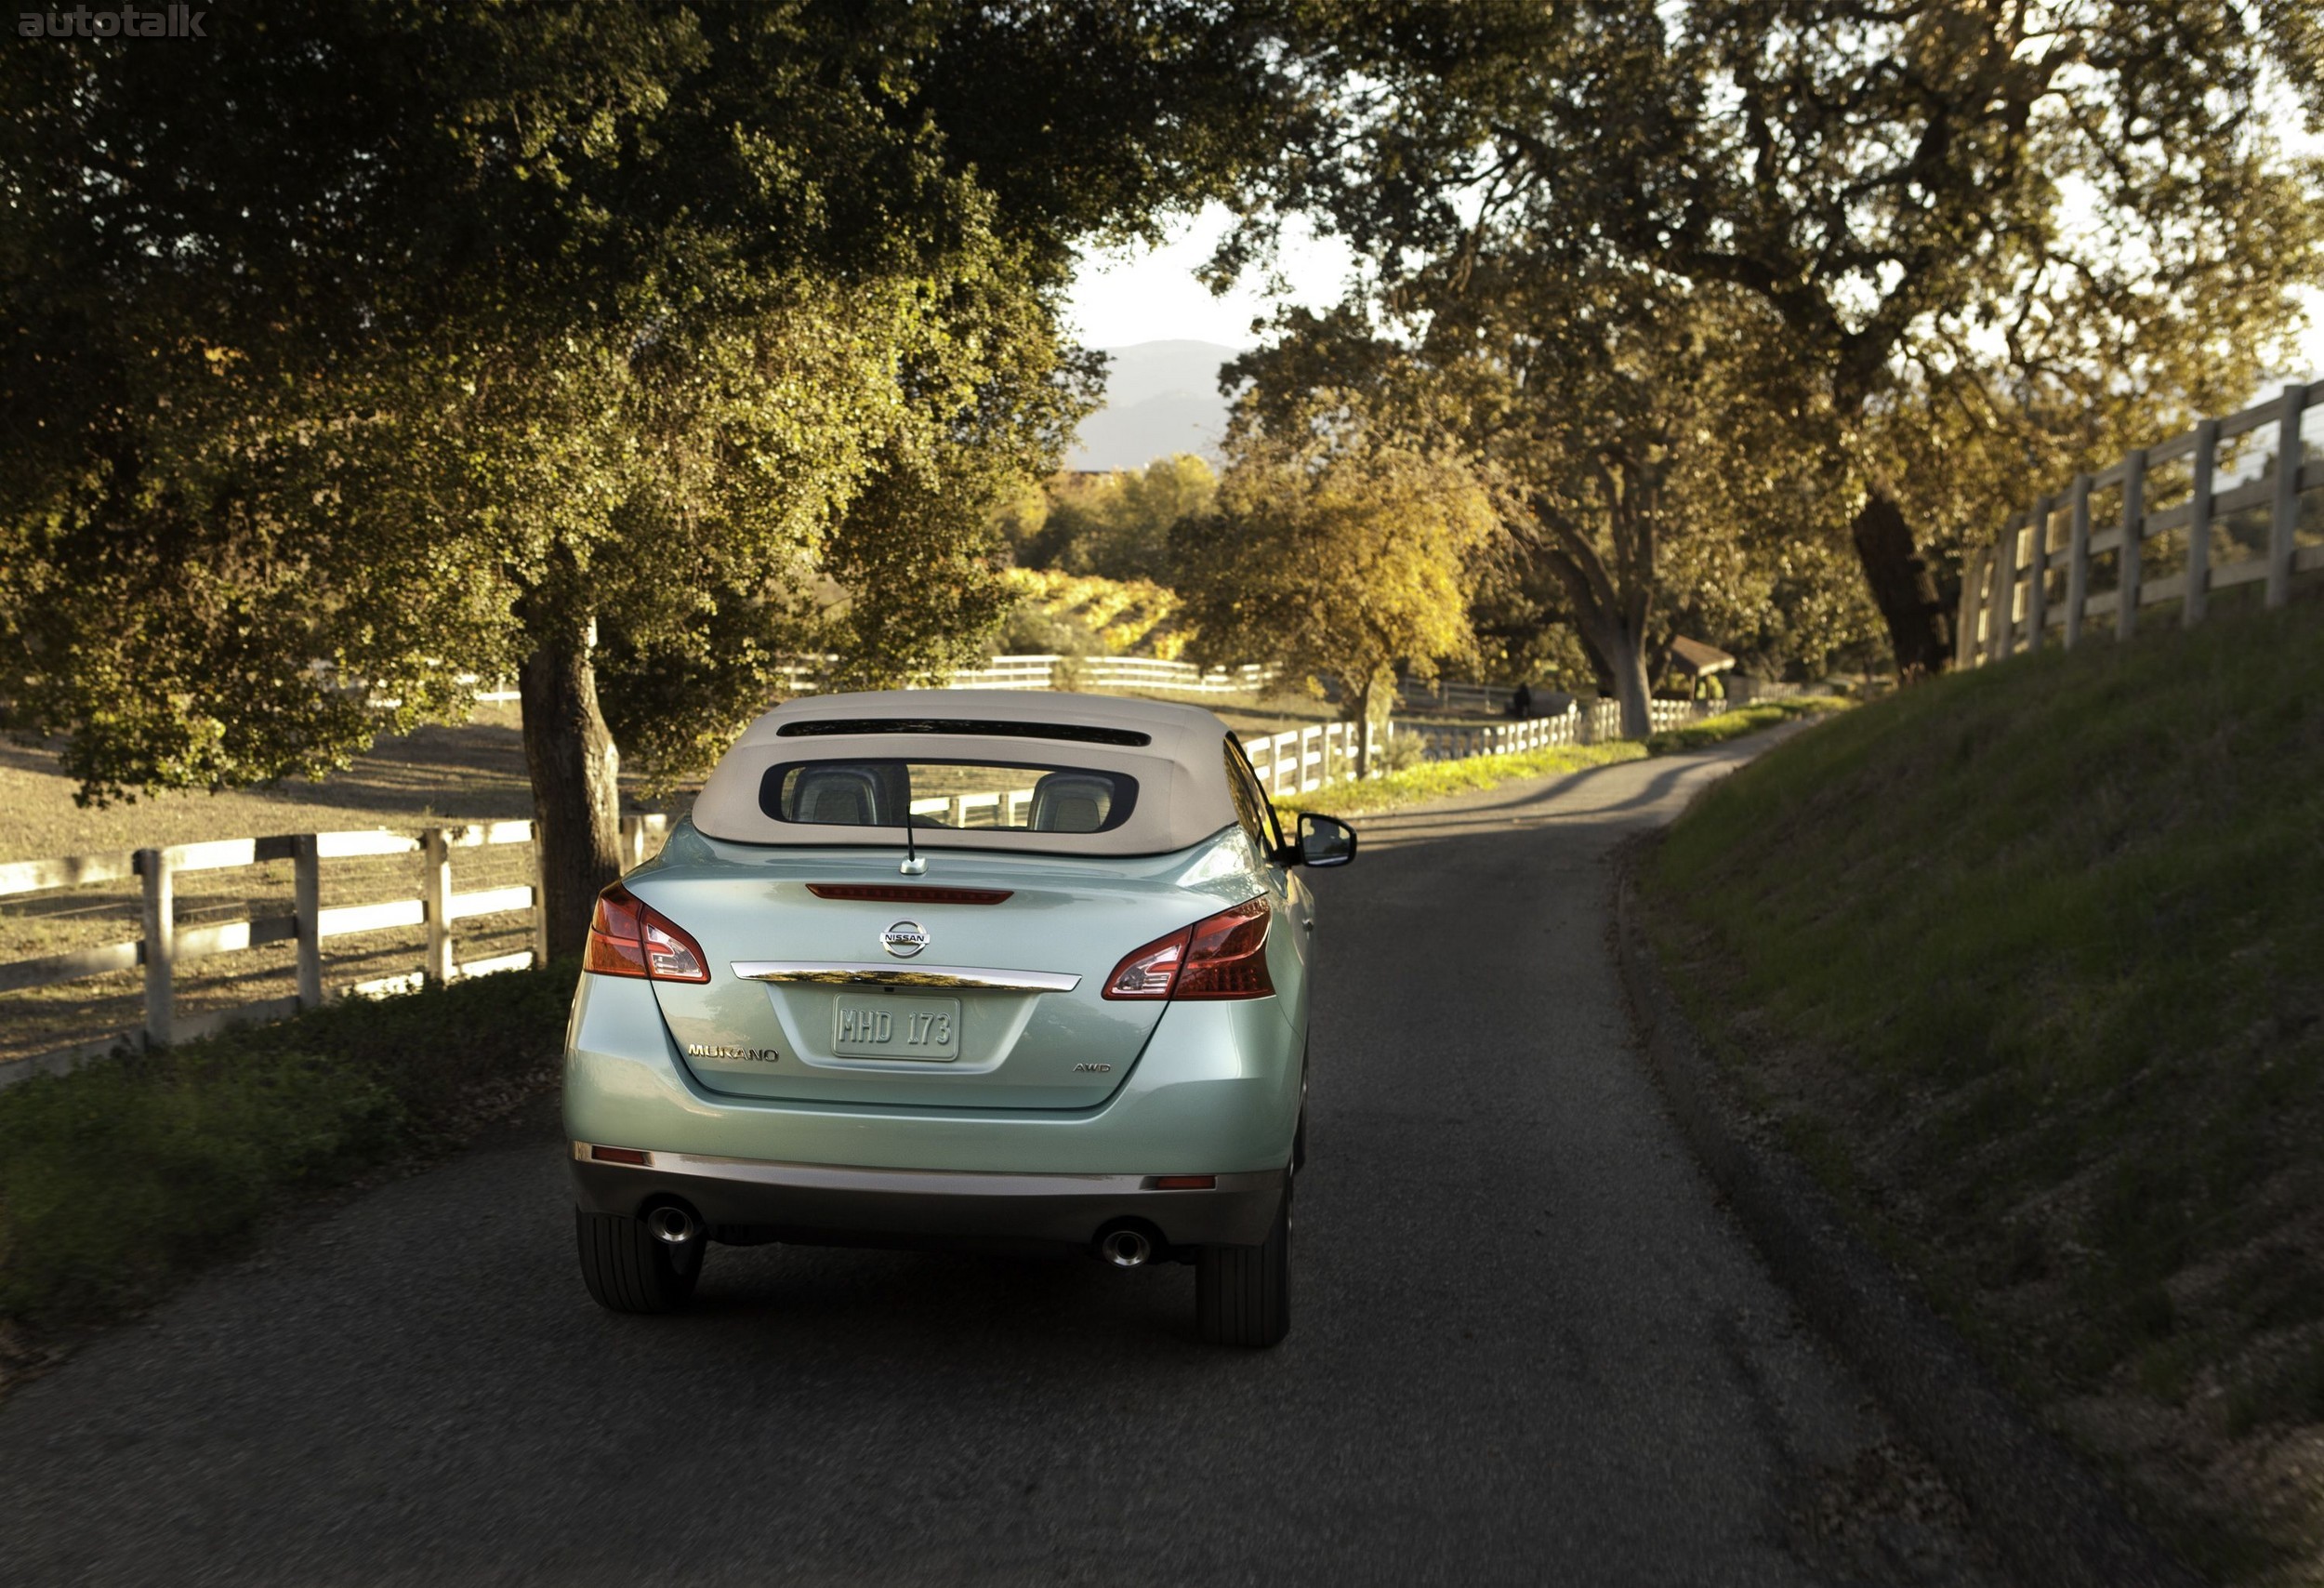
(1182, 795)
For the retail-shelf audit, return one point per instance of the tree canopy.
(1916, 193)
(1118, 525)
(1338, 547)
(615, 346)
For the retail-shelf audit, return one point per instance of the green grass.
(1435, 779)
(122, 1178)
(1741, 721)
(2039, 949)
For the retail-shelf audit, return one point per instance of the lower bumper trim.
(746, 1199)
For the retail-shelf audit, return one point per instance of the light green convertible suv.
(972, 969)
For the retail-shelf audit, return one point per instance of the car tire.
(628, 1269)
(1243, 1293)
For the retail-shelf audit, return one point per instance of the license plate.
(893, 1027)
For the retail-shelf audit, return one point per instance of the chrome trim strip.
(854, 974)
(929, 1181)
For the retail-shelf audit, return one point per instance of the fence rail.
(1444, 695)
(1082, 672)
(163, 944)
(2038, 576)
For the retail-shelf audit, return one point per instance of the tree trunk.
(1364, 731)
(1627, 661)
(576, 795)
(1920, 632)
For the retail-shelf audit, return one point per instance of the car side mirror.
(1322, 840)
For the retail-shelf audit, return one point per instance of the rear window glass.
(992, 795)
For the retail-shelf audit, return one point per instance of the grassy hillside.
(2028, 964)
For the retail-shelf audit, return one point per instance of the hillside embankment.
(2027, 965)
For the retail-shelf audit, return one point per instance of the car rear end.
(1014, 1025)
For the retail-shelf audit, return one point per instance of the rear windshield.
(1003, 796)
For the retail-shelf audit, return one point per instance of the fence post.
(161, 943)
(2002, 598)
(1306, 735)
(2197, 599)
(2134, 543)
(1965, 616)
(2077, 561)
(306, 911)
(2283, 528)
(435, 892)
(2038, 574)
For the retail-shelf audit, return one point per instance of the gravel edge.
(2053, 1520)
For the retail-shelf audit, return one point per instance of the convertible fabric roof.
(1183, 794)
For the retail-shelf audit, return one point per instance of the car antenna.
(913, 865)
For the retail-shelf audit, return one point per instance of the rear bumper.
(1217, 1091)
(750, 1199)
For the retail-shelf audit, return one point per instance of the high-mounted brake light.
(629, 937)
(894, 893)
(1221, 956)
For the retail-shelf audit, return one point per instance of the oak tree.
(1338, 547)
(1897, 184)
(358, 349)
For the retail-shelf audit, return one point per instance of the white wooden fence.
(163, 944)
(1147, 672)
(1297, 761)
(2039, 575)
(1451, 695)
(1579, 725)
(1082, 672)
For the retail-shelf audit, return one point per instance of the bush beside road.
(122, 1178)
(2027, 965)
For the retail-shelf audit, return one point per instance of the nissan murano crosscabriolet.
(949, 968)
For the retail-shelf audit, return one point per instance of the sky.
(1151, 295)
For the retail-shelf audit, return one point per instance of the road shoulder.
(2051, 1519)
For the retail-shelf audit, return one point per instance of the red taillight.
(615, 946)
(1221, 956)
(629, 938)
(1151, 970)
(1228, 957)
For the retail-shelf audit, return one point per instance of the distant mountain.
(1160, 398)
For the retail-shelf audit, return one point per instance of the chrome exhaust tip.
(673, 1224)
(1125, 1248)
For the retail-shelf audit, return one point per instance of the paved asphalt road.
(1528, 1346)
